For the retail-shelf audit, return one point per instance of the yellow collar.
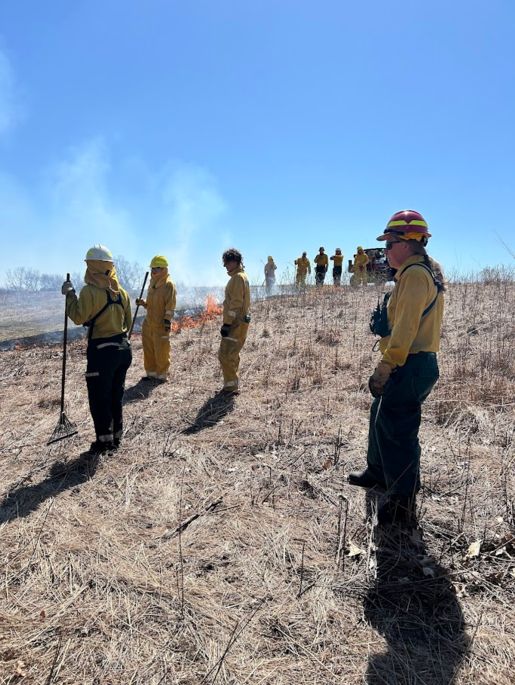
(414, 259)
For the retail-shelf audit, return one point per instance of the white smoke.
(82, 201)
(193, 208)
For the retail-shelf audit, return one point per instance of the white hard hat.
(100, 253)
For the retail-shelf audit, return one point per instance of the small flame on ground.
(211, 311)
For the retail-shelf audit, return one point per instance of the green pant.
(393, 448)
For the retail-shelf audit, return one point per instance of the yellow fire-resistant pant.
(229, 354)
(300, 280)
(361, 275)
(156, 350)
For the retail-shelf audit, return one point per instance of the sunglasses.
(390, 244)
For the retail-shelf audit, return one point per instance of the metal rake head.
(64, 429)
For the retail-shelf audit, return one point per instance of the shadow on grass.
(140, 391)
(413, 605)
(212, 411)
(62, 476)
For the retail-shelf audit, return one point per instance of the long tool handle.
(137, 306)
(65, 340)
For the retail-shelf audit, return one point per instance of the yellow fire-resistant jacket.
(114, 320)
(321, 260)
(160, 303)
(337, 259)
(303, 266)
(237, 297)
(360, 260)
(413, 292)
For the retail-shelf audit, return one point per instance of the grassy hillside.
(222, 544)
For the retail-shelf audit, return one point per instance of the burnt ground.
(221, 542)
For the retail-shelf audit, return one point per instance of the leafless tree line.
(24, 279)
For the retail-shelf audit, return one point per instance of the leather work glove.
(67, 287)
(225, 330)
(168, 325)
(378, 380)
(140, 302)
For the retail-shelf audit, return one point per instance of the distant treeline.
(23, 279)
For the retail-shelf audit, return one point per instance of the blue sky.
(182, 128)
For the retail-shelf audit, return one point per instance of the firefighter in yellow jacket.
(160, 305)
(322, 264)
(360, 267)
(337, 259)
(236, 319)
(409, 324)
(303, 269)
(104, 307)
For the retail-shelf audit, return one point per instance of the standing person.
(160, 305)
(270, 268)
(236, 319)
(337, 258)
(322, 264)
(303, 269)
(410, 327)
(104, 307)
(360, 266)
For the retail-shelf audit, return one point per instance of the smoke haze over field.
(178, 212)
(25, 315)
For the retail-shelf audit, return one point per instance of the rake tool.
(137, 306)
(65, 428)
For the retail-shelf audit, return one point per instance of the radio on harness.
(379, 318)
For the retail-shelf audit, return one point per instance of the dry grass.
(221, 544)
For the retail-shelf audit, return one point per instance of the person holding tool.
(155, 333)
(409, 324)
(236, 319)
(104, 308)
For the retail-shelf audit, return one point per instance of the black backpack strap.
(436, 284)
(89, 324)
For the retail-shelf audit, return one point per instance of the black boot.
(364, 479)
(99, 447)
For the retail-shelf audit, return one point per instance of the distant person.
(160, 308)
(360, 267)
(337, 259)
(104, 307)
(410, 327)
(236, 319)
(303, 269)
(270, 269)
(322, 264)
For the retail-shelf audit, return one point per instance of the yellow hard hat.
(159, 261)
(359, 248)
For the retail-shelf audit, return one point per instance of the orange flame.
(211, 311)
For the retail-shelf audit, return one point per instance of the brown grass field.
(221, 543)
